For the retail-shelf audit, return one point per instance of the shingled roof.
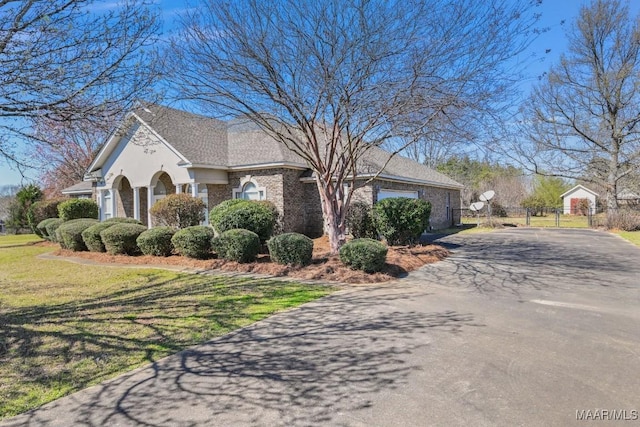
(205, 141)
(202, 140)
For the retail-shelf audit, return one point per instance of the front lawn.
(18, 239)
(66, 326)
(632, 236)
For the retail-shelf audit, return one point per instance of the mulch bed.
(326, 267)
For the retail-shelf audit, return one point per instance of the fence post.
(557, 217)
(528, 220)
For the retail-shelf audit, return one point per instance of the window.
(249, 190)
(107, 205)
(159, 191)
(203, 194)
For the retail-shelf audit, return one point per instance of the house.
(159, 151)
(572, 200)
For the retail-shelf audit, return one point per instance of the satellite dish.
(487, 195)
(475, 207)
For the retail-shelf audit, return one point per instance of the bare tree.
(62, 151)
(331, 79)
(583, 119)
(68, 60)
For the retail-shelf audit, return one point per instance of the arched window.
(249, 191)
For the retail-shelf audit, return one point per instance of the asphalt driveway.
(518, 327)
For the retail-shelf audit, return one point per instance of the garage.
(387, 194)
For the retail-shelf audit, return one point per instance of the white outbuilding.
(572, 200)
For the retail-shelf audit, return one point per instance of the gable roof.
(207, 142)
(201, 140)
(578, 187)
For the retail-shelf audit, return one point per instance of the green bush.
(401, 220)
(91, 236)
(70, 233)
(193, 242)
(367, 255)
(237, 245)
(291, 248)
(156, 241)
(259, 217)
(41, 210)
(179, 211)
(121, 238)
(78, 208)
(360, 221)
(51, 228)
(119, 220)
(42, 228)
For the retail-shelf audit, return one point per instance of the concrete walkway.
(519, 327)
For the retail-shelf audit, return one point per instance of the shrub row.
(259, 217)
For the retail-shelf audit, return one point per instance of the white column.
(100, 202)
(114, 202)
(178, 188)
(194, 189)
(136, 203)
(149, 204)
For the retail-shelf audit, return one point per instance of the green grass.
(18, 239)
(566, 221)
(65, 326)
(632, 236)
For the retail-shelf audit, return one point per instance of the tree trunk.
(612, 188)
(333, 214)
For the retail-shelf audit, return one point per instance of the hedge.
(193, 242)
(78, 208)
(91, 236)
(42, 227)
(259, 217)
(156, 241)
(360, 221)
(51, 228)
(179, 211)
(367, 255)
(237, 245)
(119, 220)
(401, 220)
(291, 248)
(41, 210)
(70, 233)
(121, 238)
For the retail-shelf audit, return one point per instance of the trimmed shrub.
(42, 228)
(401, 220)
(291, 248)
(178, 210)
(78, 208)
(360, 221)
(193, 242)
(118, 220)
(70, 233)
(121, 238)
(156, 241)
(367, 255)
(237, 245)
(51, 228)
(91, 236)
(41, 210)
(259, 217)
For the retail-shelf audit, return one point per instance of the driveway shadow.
(303, 367)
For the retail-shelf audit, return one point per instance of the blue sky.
(554, 12)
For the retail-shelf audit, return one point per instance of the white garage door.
(386, 194)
